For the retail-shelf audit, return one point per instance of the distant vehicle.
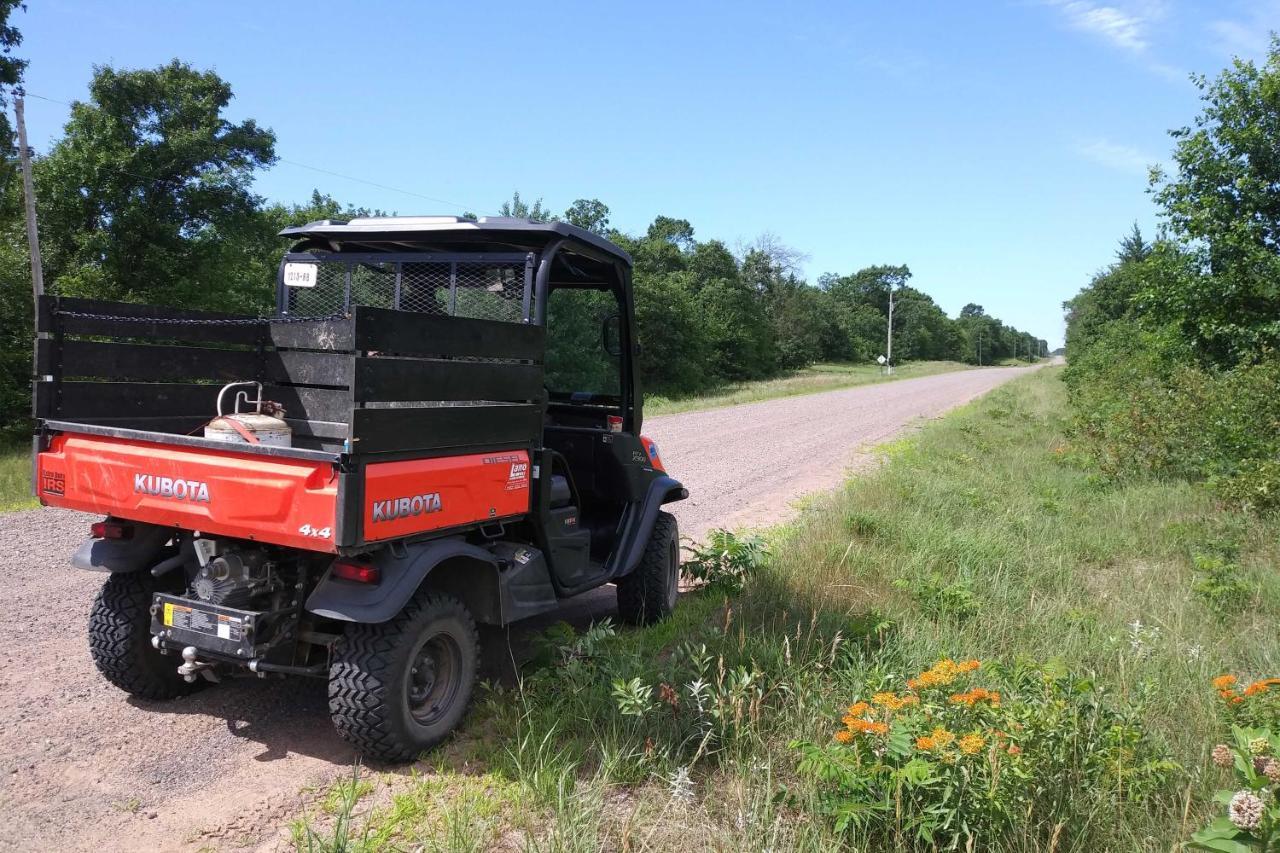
(440, 427)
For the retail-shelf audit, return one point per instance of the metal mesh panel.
(425, 288)
(328, 297)
(490, 290)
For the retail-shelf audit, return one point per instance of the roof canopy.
(454, 233)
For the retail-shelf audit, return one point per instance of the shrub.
(1144, 406)
(951, 763)
(940, 599)
(1255, 487)
(726, 561)
(1219, 582)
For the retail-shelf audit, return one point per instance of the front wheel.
(398, 688)
(649, 593)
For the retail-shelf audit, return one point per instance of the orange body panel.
(270, 499)
(419, 495)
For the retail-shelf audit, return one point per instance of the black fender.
(402, 571)
(642, 516)
(138, 552)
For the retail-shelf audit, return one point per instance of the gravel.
(746, 465)
(86, 768)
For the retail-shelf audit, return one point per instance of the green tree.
(589, 213)
(146, 185)
(15, 284)
(521, 209)
(1223, 199)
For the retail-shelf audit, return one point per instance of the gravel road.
(85, 768)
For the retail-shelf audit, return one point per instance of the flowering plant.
(1254, 704)
(951, 761)
(1252, 819)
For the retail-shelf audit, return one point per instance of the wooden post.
(29, 196)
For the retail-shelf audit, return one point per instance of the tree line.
(147, 197)
(1174, 349)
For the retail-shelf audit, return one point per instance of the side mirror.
(611, 335)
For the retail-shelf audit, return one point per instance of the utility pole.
(29, 196)
(979, 349)
(888, 353)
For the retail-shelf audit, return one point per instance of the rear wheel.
(398, 688)
(120, 640)
(649, 593)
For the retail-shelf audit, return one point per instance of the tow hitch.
(191, 667)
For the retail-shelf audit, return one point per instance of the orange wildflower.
(976, 695)
(1260, 686)
(1222, 682)
(971, 744)
(925, 743)
(891, 701)
(868, 727)
(858, 709)
(941, 736)
(941, 673)
(844, 736)
(1014, 749)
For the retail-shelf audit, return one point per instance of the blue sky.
(999, 149)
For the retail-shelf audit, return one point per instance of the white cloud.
(1123, 29)
(1126, 25)
(1114, 155)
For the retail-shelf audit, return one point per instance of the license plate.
(301, 275)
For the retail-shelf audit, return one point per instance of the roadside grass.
(15, 479)
(809, 380)
(981, 537)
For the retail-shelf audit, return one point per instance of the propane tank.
(263, 425)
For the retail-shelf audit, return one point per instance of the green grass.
(15, 479)
(810, 380)
(981, 537)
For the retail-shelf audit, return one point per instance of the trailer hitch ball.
(191, 667)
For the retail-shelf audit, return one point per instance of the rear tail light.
(352, 570)
(111, 530)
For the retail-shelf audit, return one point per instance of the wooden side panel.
(382, 430)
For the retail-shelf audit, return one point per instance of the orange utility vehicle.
(440, 427)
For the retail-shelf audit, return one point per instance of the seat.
(561, 494)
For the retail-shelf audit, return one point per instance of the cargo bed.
(403, 423)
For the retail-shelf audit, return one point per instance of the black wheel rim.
(433, 679)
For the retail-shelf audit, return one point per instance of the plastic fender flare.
(662, 490)
(400, 577)
(123, 555)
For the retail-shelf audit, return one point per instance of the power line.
(329, 172)
(372, 183)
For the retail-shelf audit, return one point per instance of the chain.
(192, 321)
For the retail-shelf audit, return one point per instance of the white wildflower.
(1245, 810)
